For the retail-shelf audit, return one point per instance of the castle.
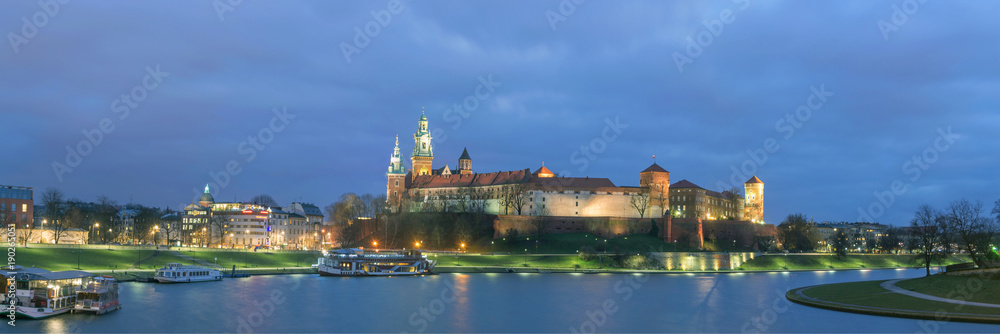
(543, 193)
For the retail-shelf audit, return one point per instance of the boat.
(100, 296)
(178, 273)
(357, 262)
(40, 293)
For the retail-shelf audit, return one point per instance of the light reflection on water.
(483, 303)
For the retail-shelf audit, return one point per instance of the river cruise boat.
(357, 262)
(100, 296)
(178, 273)
(41, 294)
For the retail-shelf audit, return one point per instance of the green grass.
(799, 261)
(870, 294)
(538, 261)
(570, 243)
(972, 288)
(59, 259)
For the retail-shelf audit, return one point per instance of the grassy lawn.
(570, 243)
(798, 261)
(543, 261)
(973, 289)
(58, 259)
(870, 294)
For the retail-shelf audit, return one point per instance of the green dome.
(206, 197)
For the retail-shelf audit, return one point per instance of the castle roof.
(754, 179)
(685, 184)
(655, 168)
(468, 180)
(543, 172)
(573, 182)
(465, 155)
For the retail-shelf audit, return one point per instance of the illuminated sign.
(247, 211)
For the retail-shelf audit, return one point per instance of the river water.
(490, 303)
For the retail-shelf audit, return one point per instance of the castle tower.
(753, 206)
(657, 180)
(465, 163)
(423, 153)
(397, 178)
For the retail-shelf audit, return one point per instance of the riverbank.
(106, 260)
(937, 297)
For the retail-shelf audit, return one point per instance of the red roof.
(754, 179)
(468, 180)
(655, 168)
(543, 170)
(685, 184)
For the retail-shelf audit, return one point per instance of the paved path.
(891, 286)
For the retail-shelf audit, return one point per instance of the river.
(741, 302)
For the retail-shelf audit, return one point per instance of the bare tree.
(265, 200)
(53, 199)
(72, 218)
(734, 195)
(924, 227)
(640, 201)
(518, 196)
(662, 199)
(505, 199)
(974, 231)
(539, 221)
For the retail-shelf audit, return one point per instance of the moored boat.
(41, 294)
(100, 296)
(356, 262)
(178, 273)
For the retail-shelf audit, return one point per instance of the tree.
(890, 240)
(662, 199)
(735, 195)
(106, 210)
(518, 196)
(840, 244)
(53, 199)
(265, 200)
(793, 233)
(539, 221)
(925, 228)
(640, 201)
(973, 231)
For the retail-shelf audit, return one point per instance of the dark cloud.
(559, 88)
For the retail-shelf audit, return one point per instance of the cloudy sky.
(828, 102)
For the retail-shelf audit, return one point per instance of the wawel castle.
(423, 187)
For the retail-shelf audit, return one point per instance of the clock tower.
(423, 153)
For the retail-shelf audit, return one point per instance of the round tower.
(657, 180)
(753, 205)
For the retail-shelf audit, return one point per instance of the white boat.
(100, 296)
(41, 294)
(356, 262)
(178, 273)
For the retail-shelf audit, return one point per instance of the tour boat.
(100, 296)
(178, 273)
(41, 294)
(356, 262)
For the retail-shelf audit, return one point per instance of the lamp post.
(78, 251)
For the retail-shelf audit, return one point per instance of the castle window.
(577, 203)
(397, 183)
(543, 206)
(543, 200)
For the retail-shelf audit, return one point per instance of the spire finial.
(421, 110)
(543, 163)
(206, 188)
(654, 158)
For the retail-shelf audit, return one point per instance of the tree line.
(101, 219)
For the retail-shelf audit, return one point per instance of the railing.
(163, 247)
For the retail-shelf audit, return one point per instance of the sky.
(847, 110)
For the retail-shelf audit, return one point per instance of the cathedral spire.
(396, 161)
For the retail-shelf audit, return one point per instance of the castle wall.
(606, 227)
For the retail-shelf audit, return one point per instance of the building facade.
(543, 193)
(246, 225)
(17, 206)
